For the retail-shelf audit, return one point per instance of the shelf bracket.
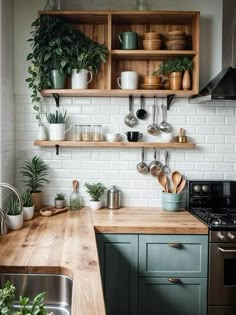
(57, 149)
(56, 98)
(169, 100)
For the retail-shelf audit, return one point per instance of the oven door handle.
(226, 250)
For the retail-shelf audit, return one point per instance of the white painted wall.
(7, 108)
(212, 127)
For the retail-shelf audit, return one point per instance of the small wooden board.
(50, 211)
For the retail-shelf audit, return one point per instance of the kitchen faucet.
(3, 225)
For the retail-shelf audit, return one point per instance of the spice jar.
(97, 133)
(75, 202)
(87, 133)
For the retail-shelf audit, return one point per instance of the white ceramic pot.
(28, 213)
(95, 205)
(15, 222)
(57, 131)
(59, 204)
(79, 79)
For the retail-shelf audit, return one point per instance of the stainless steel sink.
(58, 289)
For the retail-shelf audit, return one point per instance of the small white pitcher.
(57, 131)
(79, 79)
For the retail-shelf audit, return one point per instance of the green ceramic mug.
(128, 40)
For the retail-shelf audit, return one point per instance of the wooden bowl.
(151, 80)
(177, 42)
(175, 47)
(152, 44)
(151, 35)
(176, 33)
(173, 37)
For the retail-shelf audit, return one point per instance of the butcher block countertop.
(66, 244)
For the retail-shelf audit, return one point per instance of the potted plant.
(95, 191)
(60, 200)
(28, 205)
(174, 68)
(50, 42)
(85, 58)
(34, 173)
(14, 214)
(57, 125)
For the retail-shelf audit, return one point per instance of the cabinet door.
(118, 256)
(158, 296)
(173, 255)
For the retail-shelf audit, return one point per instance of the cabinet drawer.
(161, 297)
(173, 255)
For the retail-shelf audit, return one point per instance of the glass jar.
(78, 132)
(75, 200)
(97, 133)
(87, 133)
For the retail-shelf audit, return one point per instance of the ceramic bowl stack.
(152, 41)
(176, 40)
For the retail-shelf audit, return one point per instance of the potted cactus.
(60, 201)
(28, 205)
(95, 191)
(14, 214)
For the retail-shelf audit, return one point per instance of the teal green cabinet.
(118, 257)
(158, 296)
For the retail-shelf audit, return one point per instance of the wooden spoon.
(176, 179)
(162, 178)
(181, 186)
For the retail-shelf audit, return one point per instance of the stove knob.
(197, 188)
(220, 235)
(231, 236)
(205, 188)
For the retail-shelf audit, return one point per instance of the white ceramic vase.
(15, 222)
(28, 213)
(95, 205)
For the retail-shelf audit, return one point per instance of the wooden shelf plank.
(116, 92)
(174, 145)
(154, 54)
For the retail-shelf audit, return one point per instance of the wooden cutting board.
(50, 211)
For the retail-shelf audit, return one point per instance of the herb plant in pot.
(85, 59)
(57, 125)
(14, 214)
(174, 68)
(28, 205)
(95, 191)
(34, 174)
(60, 201)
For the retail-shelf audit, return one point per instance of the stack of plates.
(152, 44)
(176, 40)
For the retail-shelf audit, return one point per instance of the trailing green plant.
(27, 198)
(26, 307)
(57, 118)
(178, 64)
(34, 172)
(95, 190)
(60, 196)
(51, 43)
(13, 207)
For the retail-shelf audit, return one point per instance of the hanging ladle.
(153, 129)
(141, 113)
(130, 120)
(164, 126)
(141, 166)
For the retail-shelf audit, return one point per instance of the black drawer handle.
(174, 280)
(175, 245)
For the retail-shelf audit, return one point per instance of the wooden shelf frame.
(104, 27)
(69, 143)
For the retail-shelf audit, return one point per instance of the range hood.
(223, 86)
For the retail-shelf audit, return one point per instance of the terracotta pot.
(37, 200)
(175, 80)
(186, 82)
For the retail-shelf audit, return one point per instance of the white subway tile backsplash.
(229, 148)
(215, 139)
(225, 130)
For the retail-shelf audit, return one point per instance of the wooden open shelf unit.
(173, 145)
(105, 26)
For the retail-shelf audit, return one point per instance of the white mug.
(79, 80)
(128, 80)
(57, 131)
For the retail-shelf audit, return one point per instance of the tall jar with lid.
(97, 133)
(75, 200)
(113, 197)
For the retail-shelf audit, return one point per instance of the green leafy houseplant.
(34, 172)
(178, 64)
(27, 198)
(60, 196)
(57, 118)
(13, 207)
(7, 295)
(95, 190)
